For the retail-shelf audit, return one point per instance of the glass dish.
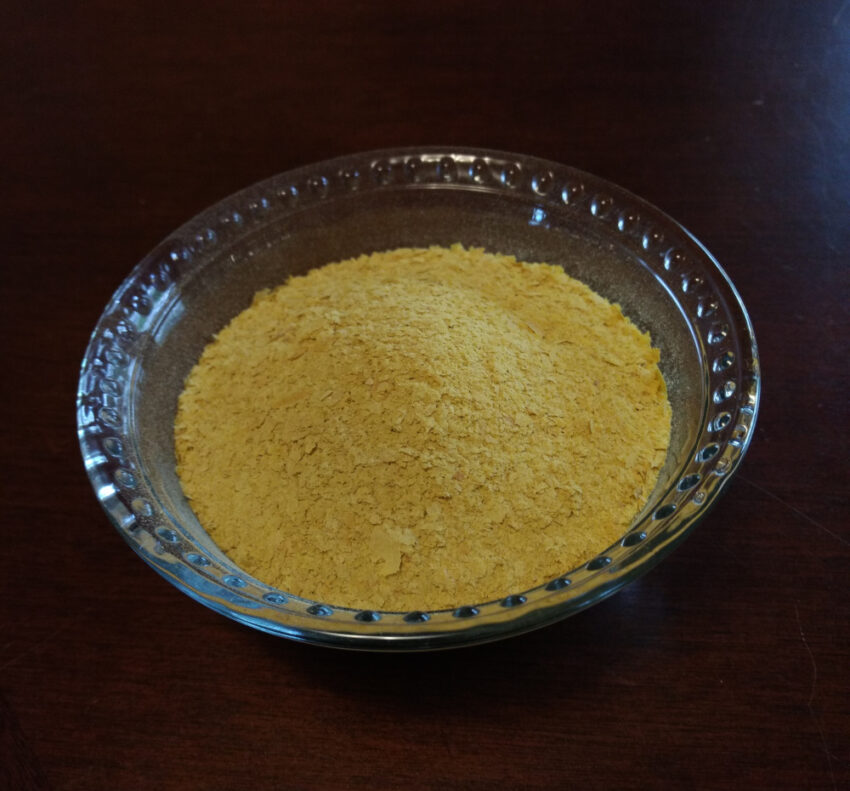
(161, 317)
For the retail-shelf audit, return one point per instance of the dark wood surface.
(726, 667)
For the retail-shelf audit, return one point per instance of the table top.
(725, 667)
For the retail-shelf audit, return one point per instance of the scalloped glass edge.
(721, 324)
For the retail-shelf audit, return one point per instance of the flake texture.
(422, 428)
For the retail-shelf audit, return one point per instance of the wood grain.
(726, 667)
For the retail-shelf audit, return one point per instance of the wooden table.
(726, 667)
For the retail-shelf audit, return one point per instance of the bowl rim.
(724, 332)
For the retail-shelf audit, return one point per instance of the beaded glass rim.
(713, 308)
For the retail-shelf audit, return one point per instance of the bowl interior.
(210, 295)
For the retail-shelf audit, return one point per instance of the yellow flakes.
(422, 428)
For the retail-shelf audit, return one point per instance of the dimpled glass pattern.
(158, 321)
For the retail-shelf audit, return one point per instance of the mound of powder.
(422, 428)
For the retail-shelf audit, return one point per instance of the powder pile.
(422, 428)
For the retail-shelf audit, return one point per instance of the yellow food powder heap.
(422, 428)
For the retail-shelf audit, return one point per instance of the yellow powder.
(422, 428)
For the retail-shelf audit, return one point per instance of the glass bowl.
(161, 317)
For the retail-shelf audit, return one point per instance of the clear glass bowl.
(159, 320)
